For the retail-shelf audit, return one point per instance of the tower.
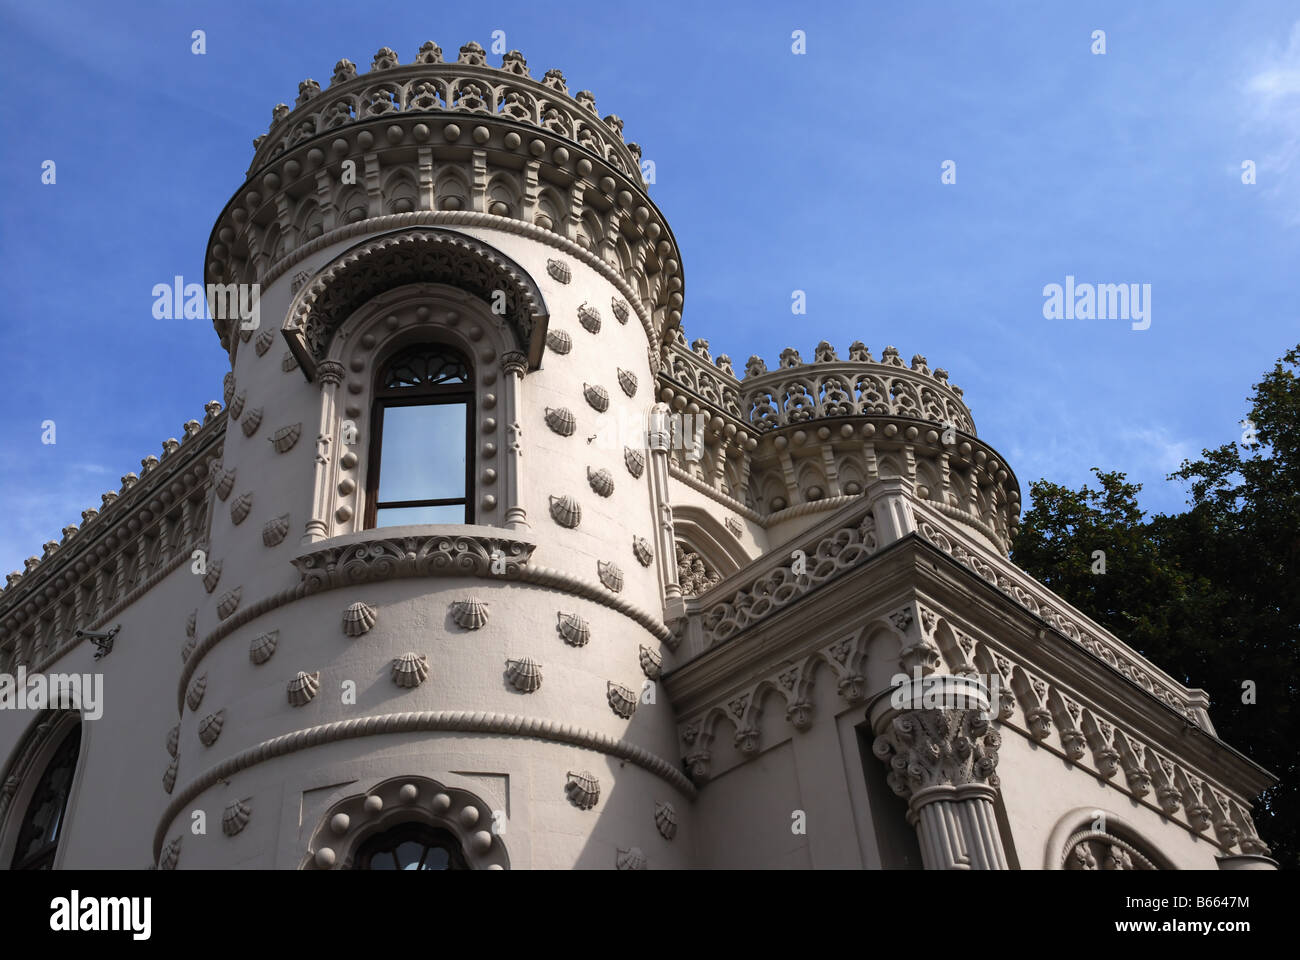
(463, 287)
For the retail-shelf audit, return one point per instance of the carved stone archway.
(423, 255)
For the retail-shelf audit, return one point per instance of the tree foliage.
(1211, 595)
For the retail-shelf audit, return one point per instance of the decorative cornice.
(427, 721)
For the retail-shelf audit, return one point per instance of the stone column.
(935, 734)
(513, 364)
(659, 442)
(891, 508)
(330, 374)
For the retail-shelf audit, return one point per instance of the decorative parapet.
(468, 87)
(798, 392)
(118, 552)
(1063, 618)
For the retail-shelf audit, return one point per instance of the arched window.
(38, 838)
(411, 846)
(421, 439)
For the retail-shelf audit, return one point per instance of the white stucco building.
(480, 563)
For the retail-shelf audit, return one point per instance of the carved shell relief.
(358, 618)
(575, 631)
(620, 309)
(559, 271)
(610, 575)
(212, 576)
(410, 669)
(225, 483)
(566, 511)
(525, 675)
(627, 380)
(666, 819)
(229, 602)
(235, 817)
(582, 789)
(622, 700)
(263, 646)
(210, 727)
(289, 362)
(240, 507)
(469, 614)
(630, 859)
(602, 481)
(188, 650)
(173, 740)
(284, 439)
(194, 696)
(561, 420)
(651, 663)
(597, 397)
(263, 342)
(559, 341)
(235, 405)
(641, 548)
(303, 688)
(191, 623)
(275, 530)
(634, 460)
(251, 422)
(169, 775)
(171, 854)
(589, 317)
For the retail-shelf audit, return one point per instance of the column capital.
(330, 373)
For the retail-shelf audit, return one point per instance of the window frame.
(45, 856)
(430, 837)
(420, 396)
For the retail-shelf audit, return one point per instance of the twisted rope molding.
(426, 721)
(468, 218)
(535, 575)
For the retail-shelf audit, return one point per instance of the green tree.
(1211, 594)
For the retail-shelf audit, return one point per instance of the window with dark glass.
(411, 846)
(38, 837)
(420, 439)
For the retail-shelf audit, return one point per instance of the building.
(480, 564)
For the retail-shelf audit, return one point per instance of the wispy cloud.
(1273, 109)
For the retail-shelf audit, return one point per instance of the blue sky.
(778, 172)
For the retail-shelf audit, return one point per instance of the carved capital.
(330, 373)
(936, 748)
(514, 363)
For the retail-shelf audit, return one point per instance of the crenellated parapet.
(447, 144)
(138, 535)
(803, 434)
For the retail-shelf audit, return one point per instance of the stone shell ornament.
(559, 341)
(235, 405)
(601, 481)
(622, 700)
(634, 460)
(627, 380)
(566, 511)
(303, 688)
(525, 674)
(225, 483)
(620, 309)
(651, 663)
(173, 740)
(169, 775)
(235, 817)
(589, 317)
(210, 727)
(641, 549)
(188, 649)
(410, 669)
(359, 618)
(582, 789)
(666, 819)
(630, 859)
(241, 507)
(229, 602)
(284, 439)
(212, 576)
(194, 695)
(469, 614)
(573, 629)
(263, 646)
(251, 422)
(597, 396)
(610, 575)
(171, 854)
(192, 623)
(561, 420)
(275, 530)
(263, 342)
(559, 271)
